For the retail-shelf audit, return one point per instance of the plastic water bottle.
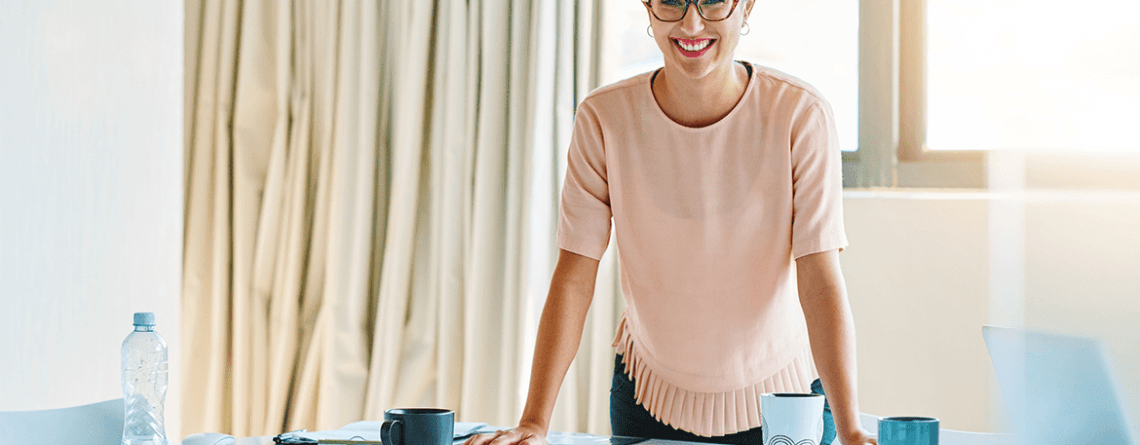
(144, 383)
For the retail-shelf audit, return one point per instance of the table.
(554, 437)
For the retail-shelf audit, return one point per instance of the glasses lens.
(715, 9)
(669, 10)
(673, 10)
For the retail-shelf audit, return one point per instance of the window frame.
(892, 107)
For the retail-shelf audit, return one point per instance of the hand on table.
(520, 435)
(857, 437)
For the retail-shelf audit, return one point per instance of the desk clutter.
(366, 432)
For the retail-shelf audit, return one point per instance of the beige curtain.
(364, 209)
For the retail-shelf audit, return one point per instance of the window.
(1033, 76)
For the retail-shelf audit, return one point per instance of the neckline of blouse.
(739, 104)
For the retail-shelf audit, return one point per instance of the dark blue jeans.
(628, 418)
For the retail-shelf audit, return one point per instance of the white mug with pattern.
(791, 418)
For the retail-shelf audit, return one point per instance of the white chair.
(945, 436)
(95, 424)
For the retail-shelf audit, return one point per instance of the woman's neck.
(699, 102)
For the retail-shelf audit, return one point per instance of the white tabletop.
(554, 437)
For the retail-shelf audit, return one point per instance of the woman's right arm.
(559, 335)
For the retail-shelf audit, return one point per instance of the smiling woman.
(722, 182)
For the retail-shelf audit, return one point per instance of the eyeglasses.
(674, 10)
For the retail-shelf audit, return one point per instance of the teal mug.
(908, 431)
(418, 426)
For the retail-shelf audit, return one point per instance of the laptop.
(1058, 389)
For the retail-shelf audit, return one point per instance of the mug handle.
(386, 436)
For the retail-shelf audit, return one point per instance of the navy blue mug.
(418, 426)
(908, 431)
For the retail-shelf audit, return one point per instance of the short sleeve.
(817, 183)
(584, 213)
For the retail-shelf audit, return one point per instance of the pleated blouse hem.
(703, 413)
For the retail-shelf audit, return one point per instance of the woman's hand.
(858, 437)
(520, 435)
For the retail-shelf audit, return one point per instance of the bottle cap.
(144, 318)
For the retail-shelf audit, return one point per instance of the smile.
(693, 48)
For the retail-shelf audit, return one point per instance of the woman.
(723, 183)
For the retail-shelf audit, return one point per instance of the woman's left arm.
(831, 330)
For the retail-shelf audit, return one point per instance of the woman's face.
(695, 46)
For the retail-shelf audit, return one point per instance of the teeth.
(702, 45)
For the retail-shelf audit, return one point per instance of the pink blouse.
(709, 222)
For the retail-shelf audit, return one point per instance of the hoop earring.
(649, 30)
(745, 29)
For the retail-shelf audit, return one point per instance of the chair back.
(95, 424)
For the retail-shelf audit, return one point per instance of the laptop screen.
(1057, 389)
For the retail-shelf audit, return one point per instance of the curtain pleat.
(359, 210)
(266, 378)
(405, 146)
(344, 359)
(206, 277)
(257, 103)
(454, 151)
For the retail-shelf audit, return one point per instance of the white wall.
(90, 194)
(924, 273)
(917, 274)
